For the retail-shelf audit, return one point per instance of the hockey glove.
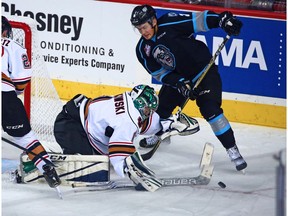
(179, 123)
(185, 87)
(229, 23)
(194, 93)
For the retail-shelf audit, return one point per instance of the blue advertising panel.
(254, 62)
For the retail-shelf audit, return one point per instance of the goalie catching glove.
(178, 124)
(140, 174)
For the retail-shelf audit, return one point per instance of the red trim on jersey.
(119, 155)
(113, 143)
(91, 141)
(148, 126)
(8, 83)
(32, 143)
(22, 79)
(40, 159)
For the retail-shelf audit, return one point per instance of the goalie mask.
(145, 100)
(142, 14)
(6, 27)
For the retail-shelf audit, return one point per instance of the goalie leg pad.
(70, 168)
(140, 174)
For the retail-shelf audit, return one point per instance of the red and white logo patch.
(26, 62)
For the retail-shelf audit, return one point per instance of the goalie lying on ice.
(95, 132)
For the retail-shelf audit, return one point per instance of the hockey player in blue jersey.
(169, 52)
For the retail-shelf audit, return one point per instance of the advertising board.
(89, 47)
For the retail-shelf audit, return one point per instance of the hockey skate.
(51, 176)
(178, 124)
(236, 157)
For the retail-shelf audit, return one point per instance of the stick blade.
(207, 154)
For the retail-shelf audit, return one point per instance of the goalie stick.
(150, 153)
(202, 179)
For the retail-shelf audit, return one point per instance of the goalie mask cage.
(40, 97)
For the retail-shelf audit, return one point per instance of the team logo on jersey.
(172, 14)
(26, 62)
(147, 50)
(164, 57)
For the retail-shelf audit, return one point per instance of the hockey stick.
(203, 74)
(202, 179)
(28, 151)
(150, 153)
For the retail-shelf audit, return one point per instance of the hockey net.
(40, 98)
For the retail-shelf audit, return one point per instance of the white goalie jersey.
(112, 123)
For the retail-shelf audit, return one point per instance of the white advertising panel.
(83, 41)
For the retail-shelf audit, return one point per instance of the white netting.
(45, 102)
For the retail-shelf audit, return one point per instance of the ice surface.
(252, 194)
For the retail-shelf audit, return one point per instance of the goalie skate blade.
(59, 193)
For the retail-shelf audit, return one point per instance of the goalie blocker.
(140, 174)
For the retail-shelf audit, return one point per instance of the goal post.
(40, 97)
(26, 36)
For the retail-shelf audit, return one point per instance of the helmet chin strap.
(155, 27)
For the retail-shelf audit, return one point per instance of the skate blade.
(59, 193)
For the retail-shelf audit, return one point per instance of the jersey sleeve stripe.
(116, 149)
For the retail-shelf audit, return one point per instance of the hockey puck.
(221, 184)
